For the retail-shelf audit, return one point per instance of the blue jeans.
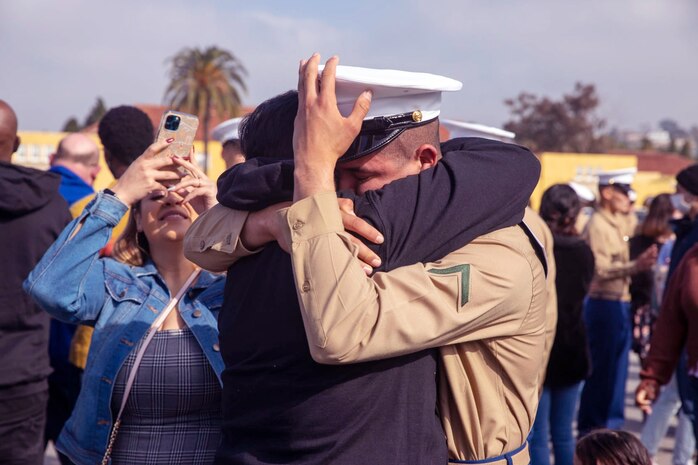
(602, 403)
(667, 405)
(554, 419)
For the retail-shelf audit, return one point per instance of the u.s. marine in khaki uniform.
(607, 308)
(484, 304)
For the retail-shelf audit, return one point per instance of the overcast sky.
(58, 56)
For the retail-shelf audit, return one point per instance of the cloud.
(639, 53)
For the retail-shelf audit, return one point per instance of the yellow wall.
(556, 167)
(564, 167)
(36, 147)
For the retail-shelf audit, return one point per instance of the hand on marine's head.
(399, 134)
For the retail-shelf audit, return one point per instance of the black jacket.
(641, 284)
(32, 215)
(569, 358)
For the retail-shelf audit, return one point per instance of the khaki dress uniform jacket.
(484, 305)
(608, 235)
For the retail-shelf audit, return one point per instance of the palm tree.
(204, 80)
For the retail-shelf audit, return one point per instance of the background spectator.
(32, 214)
(569, 359)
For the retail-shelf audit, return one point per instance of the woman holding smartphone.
(160, 375)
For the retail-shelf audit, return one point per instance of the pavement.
(633, 421)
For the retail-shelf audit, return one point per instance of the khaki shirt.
(484, 305)
(608, 235)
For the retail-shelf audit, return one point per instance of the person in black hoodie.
(32, 215)
(569, 361)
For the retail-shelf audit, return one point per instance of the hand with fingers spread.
(195, 188)
(321, 134)
(146, 174)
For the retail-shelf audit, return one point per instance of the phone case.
(183, 136)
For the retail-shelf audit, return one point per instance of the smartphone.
(182, 128)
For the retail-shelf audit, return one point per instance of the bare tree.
(566, 125)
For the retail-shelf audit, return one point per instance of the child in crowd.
(611, 447)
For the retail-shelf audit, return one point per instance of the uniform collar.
(613, 218)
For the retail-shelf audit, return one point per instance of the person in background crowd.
(77, 162)
(654, 231)
(677, 325)
(125, 132)
(606, 447)
(586, 205)
(229, 135)
(173, 411)
(685, 201)
(647, 289)
(569, 359)
(607, 309)
(32, 215)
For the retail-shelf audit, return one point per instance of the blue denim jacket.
(75, 285)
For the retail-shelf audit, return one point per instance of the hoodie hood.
(23, 190)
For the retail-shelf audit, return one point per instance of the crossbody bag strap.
(139, 356)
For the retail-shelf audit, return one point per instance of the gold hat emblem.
(416, 116)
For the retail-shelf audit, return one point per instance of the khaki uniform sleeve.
(607, 266)
(471, 294)
(213, 240)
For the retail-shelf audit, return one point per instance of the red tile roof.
(662, 162)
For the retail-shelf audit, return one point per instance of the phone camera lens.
(172, 122)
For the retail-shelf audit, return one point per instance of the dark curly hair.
(559, 208)
(268, 131)
(125, 133)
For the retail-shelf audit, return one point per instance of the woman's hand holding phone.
(148, 173)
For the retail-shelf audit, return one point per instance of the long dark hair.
(559, 208)
(656, 223)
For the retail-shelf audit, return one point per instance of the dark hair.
(559, 208)
(656, 223)
(125, 133)
(268, 131)
(610, 447)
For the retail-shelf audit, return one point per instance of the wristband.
(110, 192)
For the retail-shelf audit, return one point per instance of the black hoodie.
(32, 215)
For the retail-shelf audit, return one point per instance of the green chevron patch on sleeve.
(464, 271)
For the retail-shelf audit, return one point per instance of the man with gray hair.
(77, 162)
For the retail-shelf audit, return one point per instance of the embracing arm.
(350, 317)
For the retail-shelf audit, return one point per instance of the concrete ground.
(633, 421)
